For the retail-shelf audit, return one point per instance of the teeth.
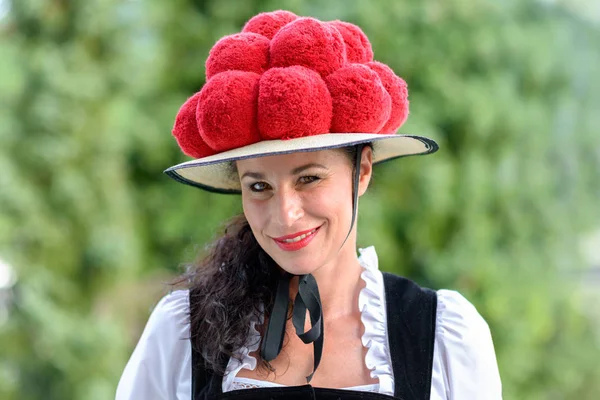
(299, 238)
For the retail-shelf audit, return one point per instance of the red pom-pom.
(360, 102)
(293, 102)
(241, 52)
(358, 47)
(269, 23)
(186, 130)
(398, 91)
(310, 43)
(227, 110)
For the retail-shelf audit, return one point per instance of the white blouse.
(464, 361)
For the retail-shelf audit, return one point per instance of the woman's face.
(299, 206)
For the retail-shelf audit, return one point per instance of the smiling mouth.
(297, 238)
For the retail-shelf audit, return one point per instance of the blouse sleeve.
(464, 361)
(159, 368)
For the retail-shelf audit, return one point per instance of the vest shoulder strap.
(206, 384)
(411, 316)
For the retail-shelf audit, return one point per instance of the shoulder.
(464, 364)
(169, 320)
(454, 316)
(160, 364)
(464, 361)
(174, 307)
(457, 318)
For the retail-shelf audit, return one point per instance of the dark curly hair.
(232, 285)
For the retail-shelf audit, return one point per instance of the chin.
(299, 271)
(296, 267)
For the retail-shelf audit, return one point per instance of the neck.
(339, 283)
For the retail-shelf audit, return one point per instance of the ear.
(366, 169)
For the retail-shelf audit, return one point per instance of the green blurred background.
(507, 212)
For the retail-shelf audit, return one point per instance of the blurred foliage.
(88, 93)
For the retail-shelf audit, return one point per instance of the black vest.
(411, 315)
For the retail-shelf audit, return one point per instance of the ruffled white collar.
(371, 302)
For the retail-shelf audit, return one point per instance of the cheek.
(334, 202)
(252, 213)
(249, 211)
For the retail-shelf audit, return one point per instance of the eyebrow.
(295, 171)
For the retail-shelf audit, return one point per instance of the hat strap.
(308, 298)
(357, 161)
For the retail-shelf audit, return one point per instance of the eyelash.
(311, 179)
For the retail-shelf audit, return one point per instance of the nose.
(288, 207)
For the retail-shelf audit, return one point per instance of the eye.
(259, 186)
(308, 179)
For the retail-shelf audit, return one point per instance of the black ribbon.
(273, 339)
(308, 298)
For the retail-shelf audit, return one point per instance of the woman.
(293, 116)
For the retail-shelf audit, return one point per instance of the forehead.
(287, 162)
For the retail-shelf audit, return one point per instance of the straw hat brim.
(217, 174)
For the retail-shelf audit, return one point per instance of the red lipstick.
(296, 245)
